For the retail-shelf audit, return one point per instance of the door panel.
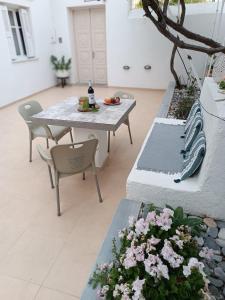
(100, 58)
(90, 35)
(99, 44)
(83, 45)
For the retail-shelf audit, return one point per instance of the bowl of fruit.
(222, 87)
(112, 101)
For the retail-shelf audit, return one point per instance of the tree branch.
(180, 21)
(163, 21)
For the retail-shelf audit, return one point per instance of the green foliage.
(175, 2)
(60, 64)
(187, 99)
(180, 219)
(183, 108)
(176, 286)
(222, 85)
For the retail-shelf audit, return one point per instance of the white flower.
(206, 253)
(155, 267)
(151, 217)
(131, 235)
(131, 221)
(139, 252)
(174, 259)
(138, 284)
(178, 242)
(137, 287)
(141, 226)
(164, 221)
(105, 289)
(104, 267)
(125, 297)
(130, 260)
(125, 290)
(168, 212)
(193, 264)
(163, 271)
(116, 293)
(151, 243)
(101, 293)
(121, 234)
(186, 271)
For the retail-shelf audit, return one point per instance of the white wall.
(21, 79)
(132, 40)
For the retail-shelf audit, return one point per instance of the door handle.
(93, 54)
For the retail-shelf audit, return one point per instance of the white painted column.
(81, 134)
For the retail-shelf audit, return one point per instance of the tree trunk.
(172, 69)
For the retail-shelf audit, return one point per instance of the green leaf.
(179, 213)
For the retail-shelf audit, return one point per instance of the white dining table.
(87, 125)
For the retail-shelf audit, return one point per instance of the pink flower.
(178, 242)
(141, 226)
(155, 267)
(174, 259)
(168, 211)
(131, 235)
(151, 244)
(101, 293)
(164, 222)
(137, 287)
(149, 263)
(151, 217)
(139, 253)
(130, 260)
(104, 267)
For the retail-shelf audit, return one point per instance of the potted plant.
(61, 66)
(222, 86)
(157, 258)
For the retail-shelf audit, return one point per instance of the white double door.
(90, 39)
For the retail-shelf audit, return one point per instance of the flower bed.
(182, 102)
(157, 258)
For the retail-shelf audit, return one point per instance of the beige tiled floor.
(42, 256)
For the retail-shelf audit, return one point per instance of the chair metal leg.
(84, 176)
(30, 155)
(97, 184)
(108, 141)
(98, 189)
(71, 136)
(57, 199)
(56, 142)
(47, 143)
(50, 176)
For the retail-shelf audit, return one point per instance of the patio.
(42, 256)
(159, 232)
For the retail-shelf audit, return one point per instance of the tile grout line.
(56, 290)
(52, 265)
